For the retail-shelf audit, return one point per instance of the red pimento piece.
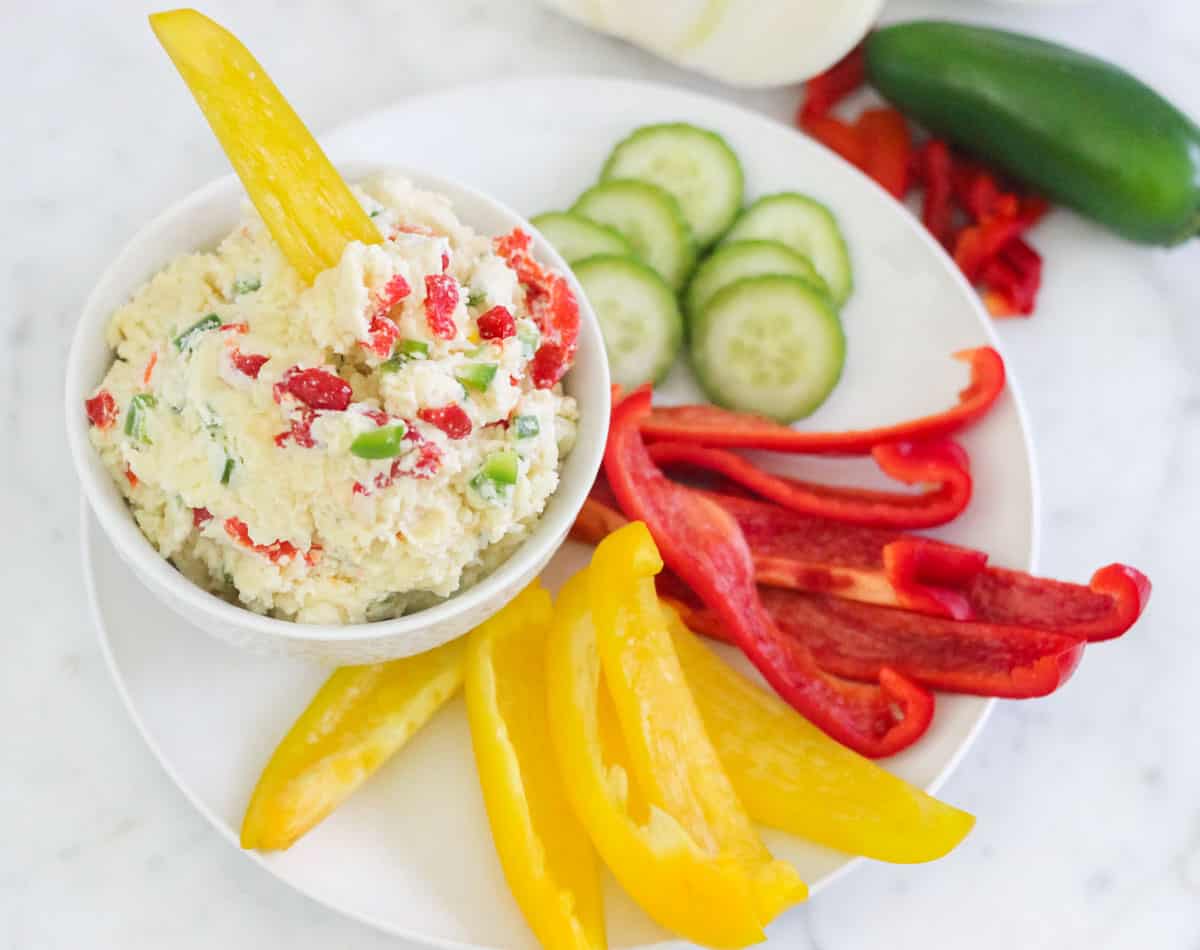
(234, 328)
(441, 297)
(395, 290)
(249, 364)
(378, 416)
(360, 489)
(497, 324)
(131, 477)
(888, 149)
(825, 90)
(429, 457)
(381, 336)
(445, 262)
(275, 551)
(702, 544)
(149, 371)
(300, 431)
(839, 137)
(101, 410)
(935, 170)
(943, 464)
(315, 388)
(451, 419)
(200, 517)
(723, 428)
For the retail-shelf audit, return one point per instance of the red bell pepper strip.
(935, 169)
(825, 90)
(858, 640)
(976, 190)
(701, 543)
(1012, 279)
(888, 148)
(722, 428)
(942, 463)
(839, 137)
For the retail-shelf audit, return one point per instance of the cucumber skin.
(1082, 131)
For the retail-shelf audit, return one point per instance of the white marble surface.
(1089, 831)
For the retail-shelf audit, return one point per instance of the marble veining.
(1089, 831)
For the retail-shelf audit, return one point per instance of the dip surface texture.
(343, 452)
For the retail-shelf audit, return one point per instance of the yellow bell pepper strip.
(705, 898)
(673, 760)
(358, 720)
(547, 856)
(309, 209)
(793, 777)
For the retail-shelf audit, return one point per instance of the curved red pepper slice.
(858, 640)
(942, 463)
(722, 428)
(701, 543)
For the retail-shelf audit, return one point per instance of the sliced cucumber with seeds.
(771, 345)
(731, 262)
(807, 227)
(649, 219)
(695, 165)
(575, 237)
(639, 317)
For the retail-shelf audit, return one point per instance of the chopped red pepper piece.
(451, 419)
(248, 363)
(941, 463)
(234, 328)
(496, 324)
(825, 90)
(201, 517)
(935, 169)
(701, 543)
(722, 428)
(101, 410)
(839, 137)
(130, 477)
(300, 430)
(150, 364)
(381, 336)
(1012, 279)
(976, 190)
(315, 388)
(888, 148)
(857, 641)
(276, 551)
(441, 297)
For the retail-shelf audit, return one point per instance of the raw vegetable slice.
(807, 227)
(770, 345)
(650, 219)
(575, 237)
(638, 316)
(732, 262)
(695, 165)
(309, 209)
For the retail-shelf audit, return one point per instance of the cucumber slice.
(649, 219)
(695, 165)
(731, 262)
(575, 237)
(807, 227)
(639, 317)
(771, 345)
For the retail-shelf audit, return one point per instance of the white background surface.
(1089, 832)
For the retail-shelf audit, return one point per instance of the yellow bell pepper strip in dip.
(308, 208)
(672, 759)
(360, 718)
(703, 897)
(791, 776)
(546, 854)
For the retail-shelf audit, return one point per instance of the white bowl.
(201, 220)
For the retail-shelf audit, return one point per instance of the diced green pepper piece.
(383, 443)
(247, 285)
(187, 338)
(501, 467)
(227, 471)
(477, 298)
(375, 213)
(526, 426)
(530, 337)
(135, 418)
(477, 376)
(404, 351)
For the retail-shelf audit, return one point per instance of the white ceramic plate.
(411, 852)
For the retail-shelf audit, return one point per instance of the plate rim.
(87, 527)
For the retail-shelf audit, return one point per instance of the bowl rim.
(115, 517)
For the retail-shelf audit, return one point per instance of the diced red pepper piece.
(130, 477)
(701, 543)
(935, 170)
(101, 410)
(1012, 279)
(395, 290)
(441, 297)
(200, 517)
(250, 364)
(300, 430)
(149, 371)
(825, 90)
(839, 137)
(378, 416)
(451, 419)
(315, 388)
(496, 324)
(275, 552)
(722, 428)
(858, 641)
(888, 148)
(976, 190)
(234, 328)
(941, 463)
(381, 336)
